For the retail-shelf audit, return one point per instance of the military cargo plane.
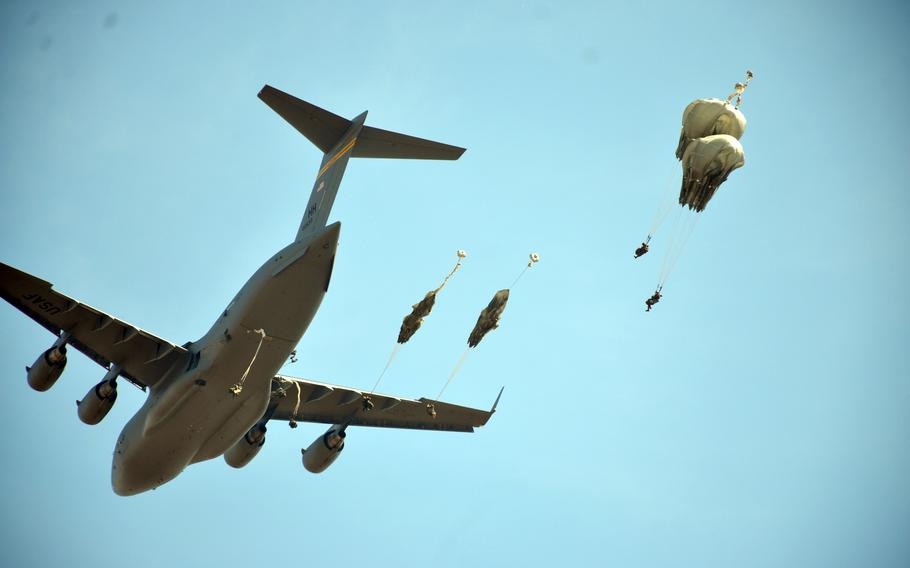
(214, 396)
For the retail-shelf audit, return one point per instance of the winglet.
(492, 410)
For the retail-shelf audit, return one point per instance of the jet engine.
(97, 402)
(246, 448)
(47, 367)
(324, 450)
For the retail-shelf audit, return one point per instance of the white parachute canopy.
(706, 117)
(706, 163)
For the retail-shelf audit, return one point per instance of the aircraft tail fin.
(321, 127)
(341, 139)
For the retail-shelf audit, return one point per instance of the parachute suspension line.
(671, 244)
(238, 387)
(667, 199)
(532, 258)
(461, 254)
(674, 252)
(388, 364)
(454, 372)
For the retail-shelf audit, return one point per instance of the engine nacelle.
(324, 450)
(246, 448)
(97, 402)
(47, 368)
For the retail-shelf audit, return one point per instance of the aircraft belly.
(142, 462)
(285, 305)
(193, 420)
(198, 416)
(229, 417)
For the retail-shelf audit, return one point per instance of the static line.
(455, 371)
(238, 388)
(681, 238)
(667, 199)
(297, 405)
(520, 274)
(392, 356)
(532, 259)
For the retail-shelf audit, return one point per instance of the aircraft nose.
(120, 481)
(134, 476)
(120, 484)
(131, 470)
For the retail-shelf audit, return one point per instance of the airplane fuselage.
(206, 395)
(199, 410)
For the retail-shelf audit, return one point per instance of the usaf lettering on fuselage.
(310, 212)
(41, 303)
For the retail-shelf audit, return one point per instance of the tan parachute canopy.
(706, 117)
(706, 164)
(709, 145)
(709, 150)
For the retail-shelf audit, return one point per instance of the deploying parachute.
(411, 323)
(486, 322)
(489, 317)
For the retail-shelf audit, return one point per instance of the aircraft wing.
(332, 404)
(143, 357)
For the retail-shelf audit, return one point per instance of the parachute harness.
(238, 387)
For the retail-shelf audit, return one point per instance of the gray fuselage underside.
(192, 415)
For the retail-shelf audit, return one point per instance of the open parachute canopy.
(706, 164)
(706, 117)
(709, 147)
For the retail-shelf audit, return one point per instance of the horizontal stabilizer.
(321, 127)
(378, 143)
(324, 129)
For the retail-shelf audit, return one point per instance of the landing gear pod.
(97, 402)
(48, 366)
(324, 450)
(246, 448)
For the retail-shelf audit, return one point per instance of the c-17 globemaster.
(214, 396)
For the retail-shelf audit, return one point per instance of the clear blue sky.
(759, 417)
